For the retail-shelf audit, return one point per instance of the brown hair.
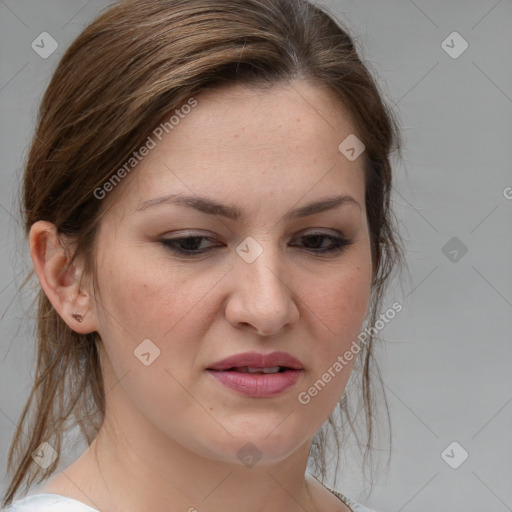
(138, 61)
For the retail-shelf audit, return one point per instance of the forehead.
(257, 114)
(240, 141)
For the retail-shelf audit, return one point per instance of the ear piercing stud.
(77, 316)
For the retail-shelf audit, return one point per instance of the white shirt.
(48, 503)
(56, 503)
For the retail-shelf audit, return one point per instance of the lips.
(249, 369)
(257, 360)
(258, 375)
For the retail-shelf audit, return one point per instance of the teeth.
(249, 369)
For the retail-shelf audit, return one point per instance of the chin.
(259, 443)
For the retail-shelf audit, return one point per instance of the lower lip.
(257, 385)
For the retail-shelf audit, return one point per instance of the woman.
(207, 206)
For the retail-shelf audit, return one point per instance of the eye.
(187, 245)
(315, 242)
(192, 245)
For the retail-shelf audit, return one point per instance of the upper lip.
(258, 360)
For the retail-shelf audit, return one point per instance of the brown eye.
(317, 243)
(187, 245)
(324, 243)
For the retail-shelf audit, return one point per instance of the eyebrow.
(230, 211)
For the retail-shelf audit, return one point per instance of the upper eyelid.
(338, 235)
(207, 234)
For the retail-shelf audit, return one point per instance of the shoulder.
(351, 504)
(48, 503)
(355, 507)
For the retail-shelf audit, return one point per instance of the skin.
(171, 432)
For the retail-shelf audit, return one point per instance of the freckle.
(298, 120)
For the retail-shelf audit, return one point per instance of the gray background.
(446, 359)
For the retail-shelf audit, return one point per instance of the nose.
(262, 297)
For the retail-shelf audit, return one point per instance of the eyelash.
(339, 244)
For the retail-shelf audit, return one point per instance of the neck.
(132, 466)
(144, 475)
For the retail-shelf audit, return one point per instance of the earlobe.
(59, 280)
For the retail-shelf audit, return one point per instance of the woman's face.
(270, 279)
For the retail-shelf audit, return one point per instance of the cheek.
(144, 300)
(164, 302)
(337, 311)
(148, 303)
(340, 305)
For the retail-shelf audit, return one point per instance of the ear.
(59, 280)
